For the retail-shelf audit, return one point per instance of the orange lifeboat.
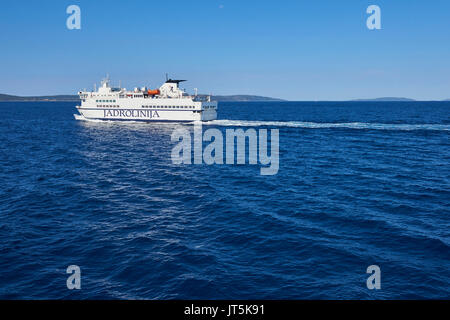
(153, 92)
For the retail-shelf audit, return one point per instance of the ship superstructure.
(168, 103)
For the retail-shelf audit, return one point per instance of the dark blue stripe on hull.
(144, 120)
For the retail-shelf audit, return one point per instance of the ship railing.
(203, 98)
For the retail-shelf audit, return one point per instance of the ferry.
(168, 103)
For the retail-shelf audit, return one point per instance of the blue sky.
(297, 50)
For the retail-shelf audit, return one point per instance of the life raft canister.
(153, 92)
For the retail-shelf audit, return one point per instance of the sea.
(359, 184)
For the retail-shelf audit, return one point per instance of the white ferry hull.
(147, 114)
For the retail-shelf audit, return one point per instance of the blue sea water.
(359, 184)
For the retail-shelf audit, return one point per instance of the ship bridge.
(170, 89)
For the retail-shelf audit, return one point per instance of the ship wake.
(329, 125)
(300, 124)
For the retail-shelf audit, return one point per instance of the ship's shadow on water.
(359, 184)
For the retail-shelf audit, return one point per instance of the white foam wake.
(301, 124)
(314, 125)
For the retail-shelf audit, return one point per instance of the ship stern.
(209, 111)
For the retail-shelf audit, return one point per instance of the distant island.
(243, 97)
(393, 99)
(385, 99)
(7, 97)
